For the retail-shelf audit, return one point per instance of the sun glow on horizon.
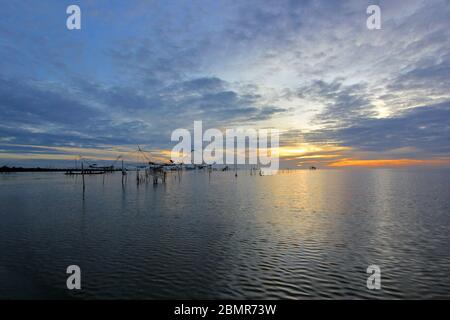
(388, 162)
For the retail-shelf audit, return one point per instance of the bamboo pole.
(82, 175)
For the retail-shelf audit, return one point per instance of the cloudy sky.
(341, 94)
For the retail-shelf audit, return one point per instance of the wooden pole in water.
(82, 174)
(122, 172)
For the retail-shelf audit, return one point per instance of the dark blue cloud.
(343, 103)
(90, 114)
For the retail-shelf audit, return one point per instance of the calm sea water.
(306, 234)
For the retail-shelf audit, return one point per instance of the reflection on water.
(307, 234)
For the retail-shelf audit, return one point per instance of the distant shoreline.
(6, 169)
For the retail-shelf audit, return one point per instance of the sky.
(340, 94)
